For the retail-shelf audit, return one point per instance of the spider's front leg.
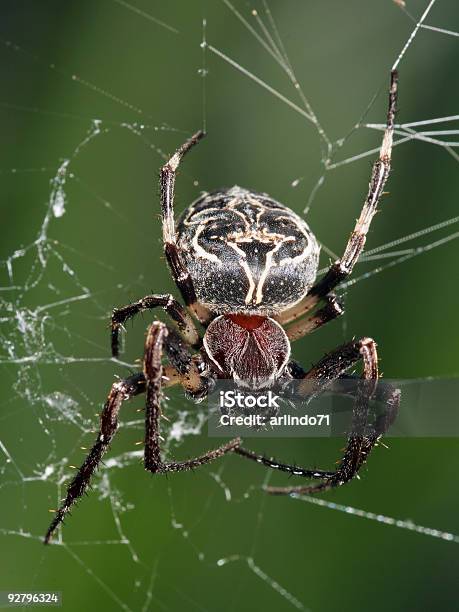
(363, 436)
(183, 369)
(120, 391)
(159, 335)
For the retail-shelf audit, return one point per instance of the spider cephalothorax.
(245, 266)
(251, 350)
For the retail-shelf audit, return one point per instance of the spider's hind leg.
(343, 267)
(179, 271)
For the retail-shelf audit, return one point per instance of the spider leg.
(362, 437)
(184, 369)
(179, 271)
(385, 393)
(120, 391)
(332, 309)
(157, 337)
(361, 441)
(173, 308)
(344, 266)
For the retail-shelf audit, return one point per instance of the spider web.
(212, 539)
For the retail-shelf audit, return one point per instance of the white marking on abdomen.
(200, 252)
(245, 266)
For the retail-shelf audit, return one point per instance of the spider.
(245, 266)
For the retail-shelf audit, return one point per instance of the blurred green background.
(106, 249)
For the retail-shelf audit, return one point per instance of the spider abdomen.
(247, 253)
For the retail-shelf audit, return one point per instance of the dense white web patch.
(27, 328)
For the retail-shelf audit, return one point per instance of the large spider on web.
(245, 266)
